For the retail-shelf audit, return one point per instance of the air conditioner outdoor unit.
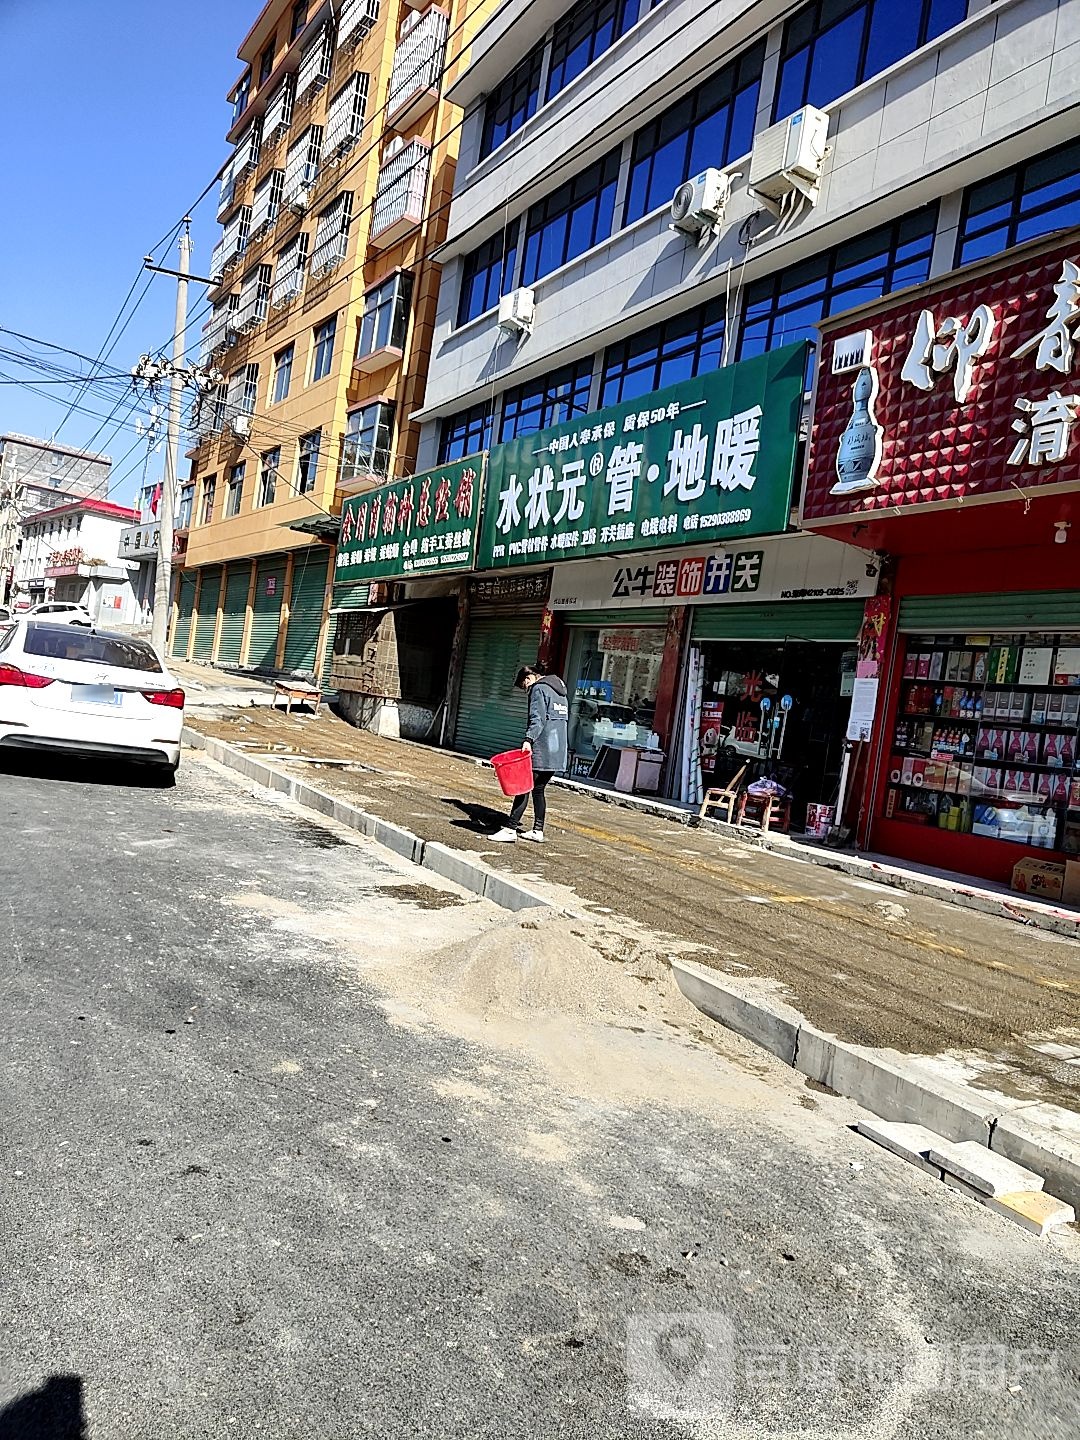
(240, 425)
(517, 312)
(787, 158)
(299, 202)
(698, 205)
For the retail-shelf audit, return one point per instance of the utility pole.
(159, 634)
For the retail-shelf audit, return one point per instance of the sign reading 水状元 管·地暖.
(707, 459)
(425, 525)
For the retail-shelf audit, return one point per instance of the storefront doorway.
(613, 675)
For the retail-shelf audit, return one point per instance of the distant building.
(37, 475)
(73, 553)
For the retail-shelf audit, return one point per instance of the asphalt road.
(277, 1160)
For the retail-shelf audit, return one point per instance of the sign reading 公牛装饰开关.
(708, 459)
(969, 391)
(425, 525)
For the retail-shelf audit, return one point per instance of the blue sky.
(113, 117)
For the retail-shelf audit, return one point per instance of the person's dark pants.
(539, 799)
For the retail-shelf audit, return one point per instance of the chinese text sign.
(425, 525)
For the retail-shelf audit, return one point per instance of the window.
(512, 102)
(487, 273)
(549, 400)
(713, 125)
(315, 61)
(243, 390)
(254, 298)
(299, 19)
(323, 353)
(302, 164)
(332, 235)
(785, 307)
(268, 473)
(386, 315)
(266, 202)
(366, 447)
(209, 493)
(185, 507)
(571, 220)
(241, 96)
(234, 494)
(1035, 198)
(70, 642)
(465, 434)
(282, 374)
(307, 462)
(289, 271)
(345, 115)
(677, 349)
(585, 32)
(279, 109)
(830, 46)
(266, 61)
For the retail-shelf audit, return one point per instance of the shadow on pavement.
(481, 818)
(53, 1412)
(84, 770)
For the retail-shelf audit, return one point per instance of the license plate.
(95, 695)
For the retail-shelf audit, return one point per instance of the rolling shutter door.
(1037, 610)
(305, 610)
(206, 623)
(838, 620)
(491, 713)
(266, 613)
(185, 607)
(346, 597)
(598, 619)
(233, 613)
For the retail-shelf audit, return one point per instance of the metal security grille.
(315, 62)
(345, 116)
(279, 109)
(235, 236)
(266, 612)
(289, 275)
(491, 713)
(266, 202)
(306, 609)
(418, 59)
(355, 19)
(254, 298)
(332, 235)
(246, 155)
(302, 164)
(206, 621)
(402, 186)
(233, 613)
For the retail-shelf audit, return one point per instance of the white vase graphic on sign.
(859, 453)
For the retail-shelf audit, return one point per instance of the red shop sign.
(968, 389)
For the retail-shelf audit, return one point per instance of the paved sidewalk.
(207, 687)
(862, 961)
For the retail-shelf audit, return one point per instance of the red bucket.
(514, 772)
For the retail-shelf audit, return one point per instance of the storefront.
(505, 631)
(945, 437)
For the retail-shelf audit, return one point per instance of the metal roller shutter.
(206, 623)
(491, 713)
(185, 608)
(233, 614)
(806, 620)
(305, 610)
(652, 615)
(1036, 610)
(266, 613)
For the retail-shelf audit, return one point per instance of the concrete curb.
(455, 865)
(893, 1086)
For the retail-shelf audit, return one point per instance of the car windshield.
(63, 642)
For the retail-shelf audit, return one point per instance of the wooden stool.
(765, 810)
(297, 693)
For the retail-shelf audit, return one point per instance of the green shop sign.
(426, 525)
(707, 459)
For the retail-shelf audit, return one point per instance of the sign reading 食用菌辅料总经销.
(708, 459)
(425, 525)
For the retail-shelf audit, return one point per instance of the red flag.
(155, 500)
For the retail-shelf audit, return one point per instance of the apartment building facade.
(950, 136)
(323, 307)
(36, 475)
(72, 553)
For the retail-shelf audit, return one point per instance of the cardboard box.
(1039, 878)
(1070, 889)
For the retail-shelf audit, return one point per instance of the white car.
(60, 612)
(87, 692)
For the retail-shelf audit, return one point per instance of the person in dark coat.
(545, 738)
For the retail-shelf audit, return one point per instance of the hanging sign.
(708, 459)
(425, 525)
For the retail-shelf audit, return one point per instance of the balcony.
(357, 18)
(402, 194)
(418, 67)
(373, 360)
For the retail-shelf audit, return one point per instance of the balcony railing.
(418, 62)
(402, 191)
(355, 21)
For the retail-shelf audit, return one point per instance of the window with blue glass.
(830, 46)
(571, 220)
(323, 352)
(677, 349)
(466, 433)
(713, 125)
(548, 400)
(512, 102)
(585, 32)
(487, 273)
(1033, 199)
(785, 307)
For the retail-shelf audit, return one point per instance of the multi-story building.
(940, 132)
(322, 309)
(36, 475)
(73, 553)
